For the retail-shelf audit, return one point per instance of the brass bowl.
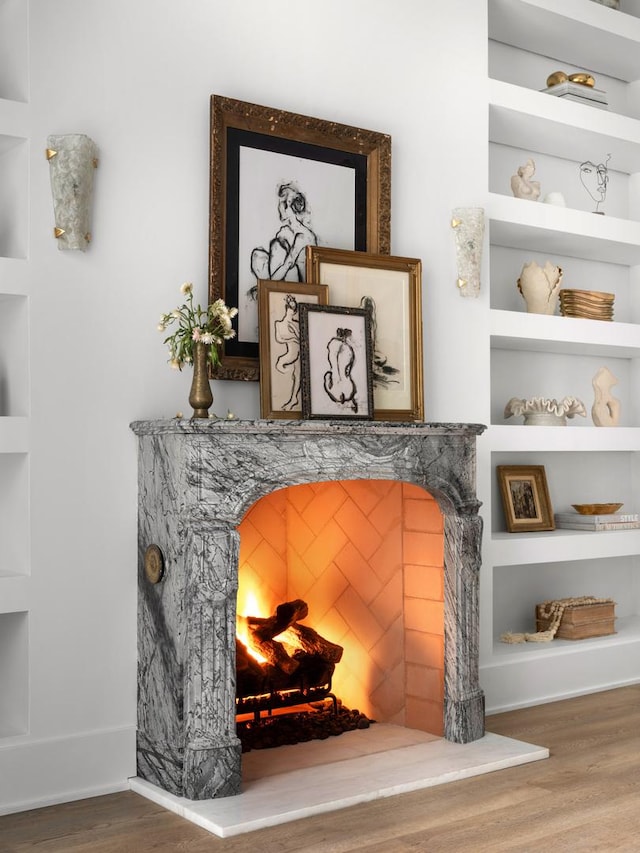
(596, 509)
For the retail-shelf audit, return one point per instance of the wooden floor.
(585, 797)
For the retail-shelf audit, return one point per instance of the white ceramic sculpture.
(605, 411)
(540, 411)
(521, 184)
(468, 227)
(540, 287)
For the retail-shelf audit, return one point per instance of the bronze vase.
(200, 396)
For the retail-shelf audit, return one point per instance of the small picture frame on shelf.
(525, 498)
(336, 362)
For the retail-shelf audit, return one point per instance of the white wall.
(136, 76)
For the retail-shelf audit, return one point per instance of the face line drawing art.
(284, 260)
(286, 331)
(338, 383)
(595, 179)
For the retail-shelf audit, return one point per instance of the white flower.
(187, 287)
(207, 338)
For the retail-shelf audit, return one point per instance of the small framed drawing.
(390, 288)
(280, 181)
(280, 359)
(525, 498)
(336, 362)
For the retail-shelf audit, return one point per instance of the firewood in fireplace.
(312, 643)
(262, 631)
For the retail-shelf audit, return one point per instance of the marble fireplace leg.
(463, 698)
(212, 753)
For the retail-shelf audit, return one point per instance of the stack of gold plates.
(590, 304)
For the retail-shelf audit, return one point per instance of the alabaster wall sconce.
(73, 158)
(468, 228)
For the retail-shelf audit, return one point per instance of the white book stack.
(610, 521)
(579, 92)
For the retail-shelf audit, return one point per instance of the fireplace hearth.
(197, 479)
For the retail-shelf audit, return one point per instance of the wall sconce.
(73, 159)
(468, 227)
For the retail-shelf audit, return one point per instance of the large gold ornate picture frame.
(391, 288)
(280, 182)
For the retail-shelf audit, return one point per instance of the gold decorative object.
(583, 78)
(200, 396)
(556, 78)
(596, 509)
(154, 564)
(50, 152)
(587, 304)
(58, 232)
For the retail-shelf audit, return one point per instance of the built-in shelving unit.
(14, 370)
(535, 355)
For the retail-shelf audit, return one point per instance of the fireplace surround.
(196, 481)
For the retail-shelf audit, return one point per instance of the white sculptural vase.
(540, 287)
(540, 411)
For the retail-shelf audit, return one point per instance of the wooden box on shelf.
(579, 622)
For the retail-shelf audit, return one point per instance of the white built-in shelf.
(512, 549)
(14, 118)
(14, 278)
(578, 31)
(537, 122)
(14, 593)
(523, 439)
(536, 227)
(627, 631)
(14, 434)
(514, 330)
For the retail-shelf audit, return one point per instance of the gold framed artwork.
(280, 182)
(280, 360)
(336, 362)
(391, 289)
(525, 498)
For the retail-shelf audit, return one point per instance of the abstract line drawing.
(338, 382)
(286, 331)
(383, 372)
(284, 260)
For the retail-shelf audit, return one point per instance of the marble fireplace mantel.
(196, 480)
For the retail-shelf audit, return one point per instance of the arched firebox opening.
(366, 557)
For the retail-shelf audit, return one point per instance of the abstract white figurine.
(468, 227)
(72, 159)
(540, 287)
(605, 411)
(521, 184)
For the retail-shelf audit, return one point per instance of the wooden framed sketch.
(391, 288)
(525, 498)
(280, 182)
(280, 359)
(336, 362)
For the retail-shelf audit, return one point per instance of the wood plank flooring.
(585, 797)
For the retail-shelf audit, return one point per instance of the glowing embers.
(280, 662)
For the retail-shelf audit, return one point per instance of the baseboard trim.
(50, 771)
(559, 697)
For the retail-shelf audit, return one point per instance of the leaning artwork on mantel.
(390, 288)
(281, 182)
(280, 358)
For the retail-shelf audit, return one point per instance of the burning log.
(300, 660)
(312, 643)
(262, 631)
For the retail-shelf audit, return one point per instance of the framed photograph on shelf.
(281, 182)
(280, 359)
(336, 362)
(525, 498)
(391, 289)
